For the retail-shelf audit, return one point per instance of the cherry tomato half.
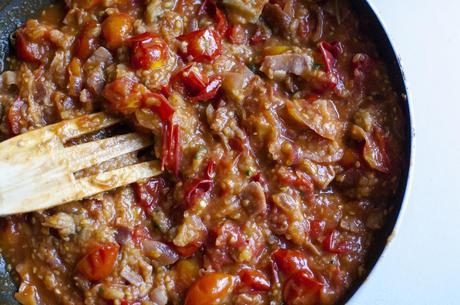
(202, 45)
(98, 263)
(148, 51)
(254, 279)
(211, 289)
(301, 289)
(291, 261)
(116, 29)
(124, 95)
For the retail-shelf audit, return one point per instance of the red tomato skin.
(196, 188)
(210, 91)
(124, 95)
(254, 279)
(301, 289)
(149, 192)
(188, 81)
(170, 148)
(330, 53)
(221, 20)
(202, 45)
(376, 151)
(98, 263)
(332, 245)
(211, 289)
(164, 110)
(297, 179)
(291, 261)
(210, 7)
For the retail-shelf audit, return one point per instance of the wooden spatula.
(37, 171)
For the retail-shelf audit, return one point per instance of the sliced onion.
(321, 116)
(160, 253)
(131, 276)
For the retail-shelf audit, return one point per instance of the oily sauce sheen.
(278, 132)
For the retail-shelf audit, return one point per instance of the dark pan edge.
(374, 28)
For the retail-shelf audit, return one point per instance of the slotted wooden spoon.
(37, 171)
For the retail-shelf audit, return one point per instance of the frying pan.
(13, 13)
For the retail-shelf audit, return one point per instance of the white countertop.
(421, 266)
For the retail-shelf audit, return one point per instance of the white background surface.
(421, 266)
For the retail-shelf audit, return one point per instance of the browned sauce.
(53, 15)
(277, 128)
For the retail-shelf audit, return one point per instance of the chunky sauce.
(276, 126)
